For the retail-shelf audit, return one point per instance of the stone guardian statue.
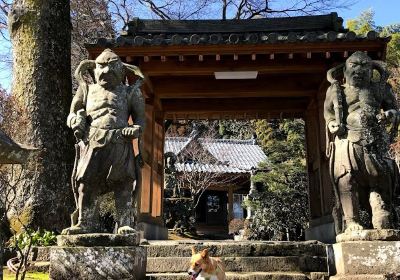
(362, 120)
(105, 160)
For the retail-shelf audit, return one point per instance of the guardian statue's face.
(109, 71)
(358, 70)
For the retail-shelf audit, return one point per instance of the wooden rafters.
(298, 85)
(242, 105)
(192, 66)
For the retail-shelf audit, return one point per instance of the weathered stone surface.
(105, 161)
(236, 249)
(361, 277)
(235, 276)
(319, 275)
(40, 254)
(39, 266)
(369, 235)
(367, 257)
(359, 114)
(243, 260)
(98, 239)
(95, 263)
(243, 264)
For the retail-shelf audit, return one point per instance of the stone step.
(182, 248)
(235, 276)
(362, 277)
(39, 266)
(243, 264)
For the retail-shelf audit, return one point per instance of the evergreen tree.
(282, 206)
(40, 33)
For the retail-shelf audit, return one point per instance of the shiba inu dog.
(204, 267)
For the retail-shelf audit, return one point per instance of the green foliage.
(363, 23)
(281, 140)
(281, 209)
(178, 215)
(280, 215)
(178, 206)
(235, 129)
(34, 238)
(393, 51)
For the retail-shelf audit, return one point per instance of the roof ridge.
(329, 21)
(222, 140)
(214, 140)
(176, 137)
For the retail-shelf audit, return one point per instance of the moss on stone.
(30, 275)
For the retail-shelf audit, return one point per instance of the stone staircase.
(255, 260)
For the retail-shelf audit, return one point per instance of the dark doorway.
(212, 208)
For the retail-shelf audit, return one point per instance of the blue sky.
(386, 11)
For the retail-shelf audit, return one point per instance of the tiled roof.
(233, 156)
(321, 28)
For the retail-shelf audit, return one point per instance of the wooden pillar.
(146, 191)
(320, 186)
(327, 194)
(313, 159)
(151, 197)
(158, 165)
(230, 203)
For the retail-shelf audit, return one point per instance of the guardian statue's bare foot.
(353, 226)
(125, 230)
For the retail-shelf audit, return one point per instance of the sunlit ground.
(29, 276)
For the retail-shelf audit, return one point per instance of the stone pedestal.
(98, 256)
(367, 254)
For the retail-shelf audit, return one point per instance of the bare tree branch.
(158, 10)
(238, 9)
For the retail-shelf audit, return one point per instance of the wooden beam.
(192, 66)
(296, 47)
(233, 116)
(298, 85)
(234, 105)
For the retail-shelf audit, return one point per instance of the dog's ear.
(193, 251)
(204, 253)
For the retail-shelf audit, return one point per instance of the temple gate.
(238, 69)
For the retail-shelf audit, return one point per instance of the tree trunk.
(40, 31)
